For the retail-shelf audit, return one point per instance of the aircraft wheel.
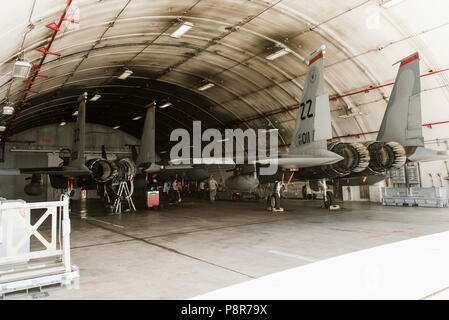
(274, 202)
(330, 199)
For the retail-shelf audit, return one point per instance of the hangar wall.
(53, 137)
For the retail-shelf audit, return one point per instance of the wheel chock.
(278, 210)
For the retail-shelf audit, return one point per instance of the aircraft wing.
(65, 171)
(202, 161)
(302, 160)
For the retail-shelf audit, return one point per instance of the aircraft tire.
(330, 199)
(274, 201)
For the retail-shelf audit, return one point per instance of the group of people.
(174, 190)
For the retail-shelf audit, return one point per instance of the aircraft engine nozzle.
(242, 182)
(355, 154)
(102, 170)
(126, 169)
(34, 187)
(385, 155)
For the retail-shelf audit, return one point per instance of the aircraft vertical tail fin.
(147, 152)
(103, 152)
(402, 121)
(77, 158)
(313, 126)
(134, 154)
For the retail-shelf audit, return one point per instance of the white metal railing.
(56, 247)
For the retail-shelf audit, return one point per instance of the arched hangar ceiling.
(227, 46)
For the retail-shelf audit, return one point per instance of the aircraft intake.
(102, 170)
(385, 156)
(356, 158)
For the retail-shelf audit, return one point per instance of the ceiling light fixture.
(21, 69)
(125, 74)
(186, 26)
(278, 54)
(116, 127)
(62, 124)
(95, 97)
(137, 118)
(165, 105)
(75, 113)
(8, 110)
(206, 86)
(2, 128)
(389, 3)
(351, 115)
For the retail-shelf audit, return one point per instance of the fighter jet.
(400, 138)
(73, 166)
(76, 172)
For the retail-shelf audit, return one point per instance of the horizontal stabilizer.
(66, 171)
(177, 167)
(424, 154)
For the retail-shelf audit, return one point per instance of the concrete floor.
(182, 252)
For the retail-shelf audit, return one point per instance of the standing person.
(172, 192)
(213, 185)
(154, 185)
(179, 190)
(166, 188)
(202, 189)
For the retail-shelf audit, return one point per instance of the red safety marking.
(44, 50)
(152, 105)
(364, 179)
(291, 176)
(28, 80)
(41, 75)
(412, 58)
(42, 180)
(52, 26)
(282, 177)
(28, 91)
(71, 20)
(35, 67)
(317, 57)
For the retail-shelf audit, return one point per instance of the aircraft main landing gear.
(329, 201)
(274, 202)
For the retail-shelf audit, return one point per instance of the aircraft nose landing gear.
(329, 201)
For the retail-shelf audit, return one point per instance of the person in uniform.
(213, 185)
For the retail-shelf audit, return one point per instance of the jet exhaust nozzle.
(356, 158)
(102, 170)
(385, 155)
(34, 187)
(126, 169)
